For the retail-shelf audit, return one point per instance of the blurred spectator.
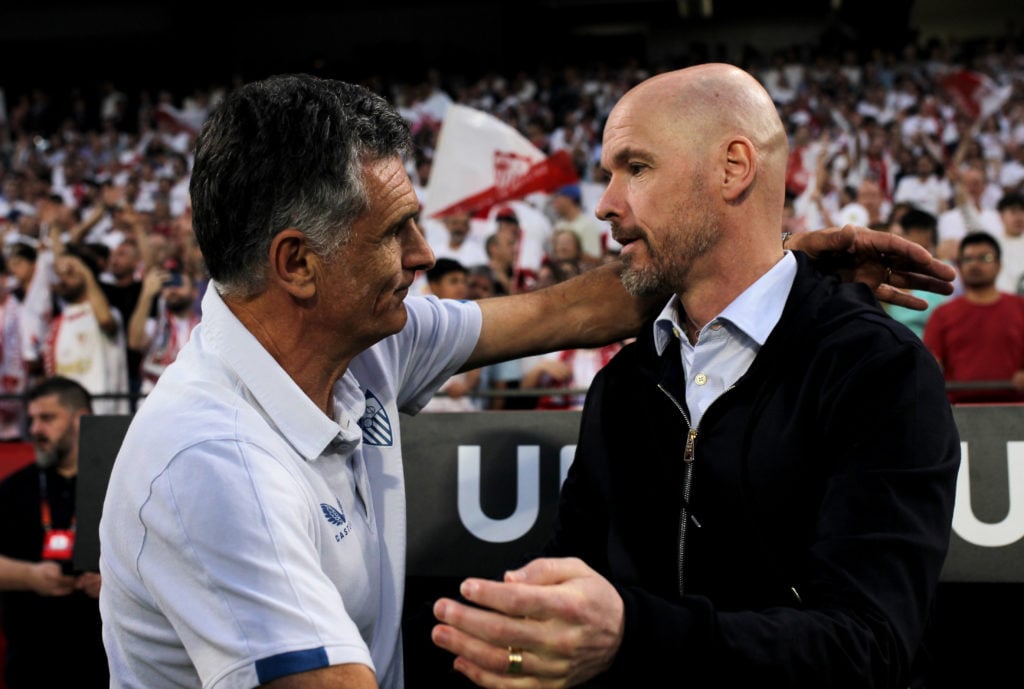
(481, 283)
(968, 214)
(158, 339)
(868, 207)
(447, 280)
(122, 286)
(925, 188)
(566, 203)
(86, 340)
(571, 369)
(1011, 174)
(557, 271)
(979, 336)
(32, 274)
(502, 258)
(459, 245)
(532, 229)
(13, 373)
(566, 246)
(921, 228)
(51, 618)
(1011, 212)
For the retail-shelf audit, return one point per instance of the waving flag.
(481, 161)
(978, 94)
(180, 120)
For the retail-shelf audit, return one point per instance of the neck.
(310, 356)
(717, 279)
(68, 466)
(982, 295)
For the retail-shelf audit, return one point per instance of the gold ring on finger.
(515, 661)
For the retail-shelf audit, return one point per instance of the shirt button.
(700, 379)
(716, 326)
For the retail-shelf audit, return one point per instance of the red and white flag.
(180, 120)
(481, 161)
(978, 94)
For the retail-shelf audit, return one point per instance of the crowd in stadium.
(102, 280)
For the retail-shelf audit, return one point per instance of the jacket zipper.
(684, 512)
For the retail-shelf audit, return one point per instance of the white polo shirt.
(245, 535)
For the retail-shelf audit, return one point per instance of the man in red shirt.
(979, 336)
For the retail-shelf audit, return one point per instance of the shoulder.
(17, 481)
(432, 323)
(1011, 302)
(950, 306)
(827, 315)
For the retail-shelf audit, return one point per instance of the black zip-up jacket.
(818, 512)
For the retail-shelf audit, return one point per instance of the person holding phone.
(161, 336)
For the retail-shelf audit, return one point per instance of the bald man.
(763, 487)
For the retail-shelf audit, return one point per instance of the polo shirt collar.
(282, 402)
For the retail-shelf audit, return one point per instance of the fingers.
(507, 653)
(891, 295)
(818, 242)
(511, 598)
(549, 570)
(485, 625)
(918, 281)
(490, 664)
(50, 581)
(943, 272)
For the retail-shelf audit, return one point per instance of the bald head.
(707, 105)
(696, 161)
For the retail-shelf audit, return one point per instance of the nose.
(417, 254)
(610, 205)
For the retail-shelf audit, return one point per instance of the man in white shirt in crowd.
(1011, 212)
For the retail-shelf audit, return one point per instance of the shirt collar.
(280, 400)
(755, 311)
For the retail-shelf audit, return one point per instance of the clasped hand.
(564, 619)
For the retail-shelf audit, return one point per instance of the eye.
(636, 168)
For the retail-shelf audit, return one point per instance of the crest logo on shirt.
(375, 423)
(336, 516)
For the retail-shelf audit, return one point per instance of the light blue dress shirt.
(727, 345)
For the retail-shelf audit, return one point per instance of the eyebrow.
(623, 156)
(404, 220)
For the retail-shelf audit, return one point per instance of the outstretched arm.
(590, 310)
(885, 262)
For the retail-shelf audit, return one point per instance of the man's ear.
(740, 168)
(293, 264)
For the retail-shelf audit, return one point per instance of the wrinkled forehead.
(637, 128)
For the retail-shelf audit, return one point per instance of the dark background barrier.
(483, 487)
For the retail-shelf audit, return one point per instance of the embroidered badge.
(375, 423)
(336, 516)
